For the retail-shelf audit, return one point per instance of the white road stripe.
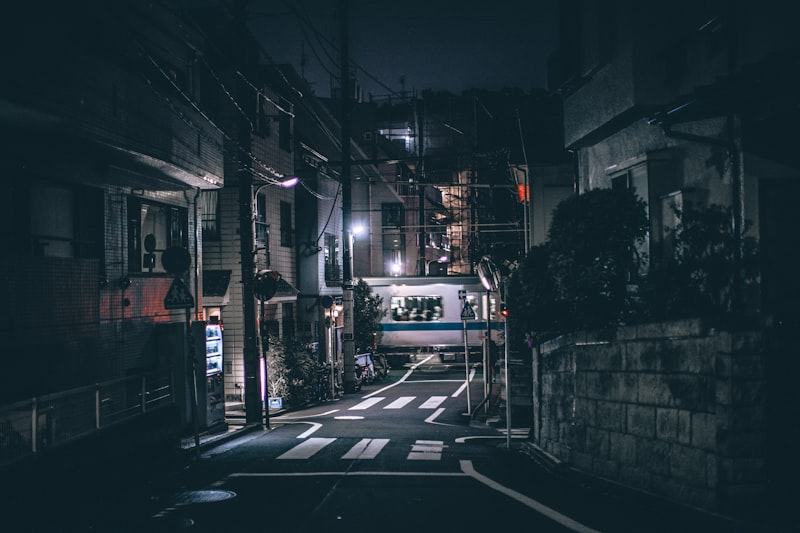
(431, 419)
(424, 456)
(307, 448)
(467, 468)
(461, 389)
(366, 404)
(426, 450)
(439, 443)
(402, 379)
(366, 449)
(433, 402)
(347, 473)
(402, 401)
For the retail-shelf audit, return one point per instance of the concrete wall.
(672, 408)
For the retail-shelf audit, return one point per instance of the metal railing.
(33, 426)
(333, 272)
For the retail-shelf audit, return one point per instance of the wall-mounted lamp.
(289, 182)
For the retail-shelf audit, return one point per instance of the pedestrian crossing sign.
(467, 313)
(178, 296)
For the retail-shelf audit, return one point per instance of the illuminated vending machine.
(211, 391)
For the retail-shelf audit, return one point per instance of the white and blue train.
(425, 313)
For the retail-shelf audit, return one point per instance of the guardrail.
(31, 427)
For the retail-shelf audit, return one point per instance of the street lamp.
(248, 250)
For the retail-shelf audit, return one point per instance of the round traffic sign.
(176, 259)
(265, 284)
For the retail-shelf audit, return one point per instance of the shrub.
(291, 371)
(579, 278)
(697, 278)
(367, 311)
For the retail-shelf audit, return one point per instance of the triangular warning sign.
(467, 313)
(178, 296)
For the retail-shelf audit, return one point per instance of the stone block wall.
(673, 408)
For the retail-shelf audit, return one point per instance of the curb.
(208, 441)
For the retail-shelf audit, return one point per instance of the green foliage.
(367, 312)
(579, 278)
(530, 297)
(697, 279)
(291, 370)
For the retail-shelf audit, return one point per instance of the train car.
(425, 313)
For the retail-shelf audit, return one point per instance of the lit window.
(152, 228)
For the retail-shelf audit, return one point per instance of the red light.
(523, 193)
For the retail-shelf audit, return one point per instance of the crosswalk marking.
(366, 449)
(366, 404)
(307, 448)
(402, 401)
(426, 450)
(421, 450)
(433, 402)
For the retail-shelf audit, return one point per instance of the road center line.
(401, 380)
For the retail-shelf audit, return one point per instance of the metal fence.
(33, 426)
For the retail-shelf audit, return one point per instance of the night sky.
(416, 44)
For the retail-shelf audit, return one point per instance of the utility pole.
(252, 383)
(252, 386)
(422, 270)
(348, 344)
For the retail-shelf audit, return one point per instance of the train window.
(474, 303)
(418, 308)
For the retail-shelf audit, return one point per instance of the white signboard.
(467, 313)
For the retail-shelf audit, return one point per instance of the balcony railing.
(333, 273)
(33, 426)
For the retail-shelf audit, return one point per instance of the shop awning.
(285, 293)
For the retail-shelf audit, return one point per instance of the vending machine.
(210, 383)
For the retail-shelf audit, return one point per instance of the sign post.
(467, 313)
(176, 261)
(265, 285)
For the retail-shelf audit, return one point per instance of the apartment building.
(695, 104)
(105, 156)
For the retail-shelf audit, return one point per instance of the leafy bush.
(367, 311)
(579, 278)
(697, 279)
(593, 240)
(291, 371)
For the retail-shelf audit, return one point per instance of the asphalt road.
(396, 456)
